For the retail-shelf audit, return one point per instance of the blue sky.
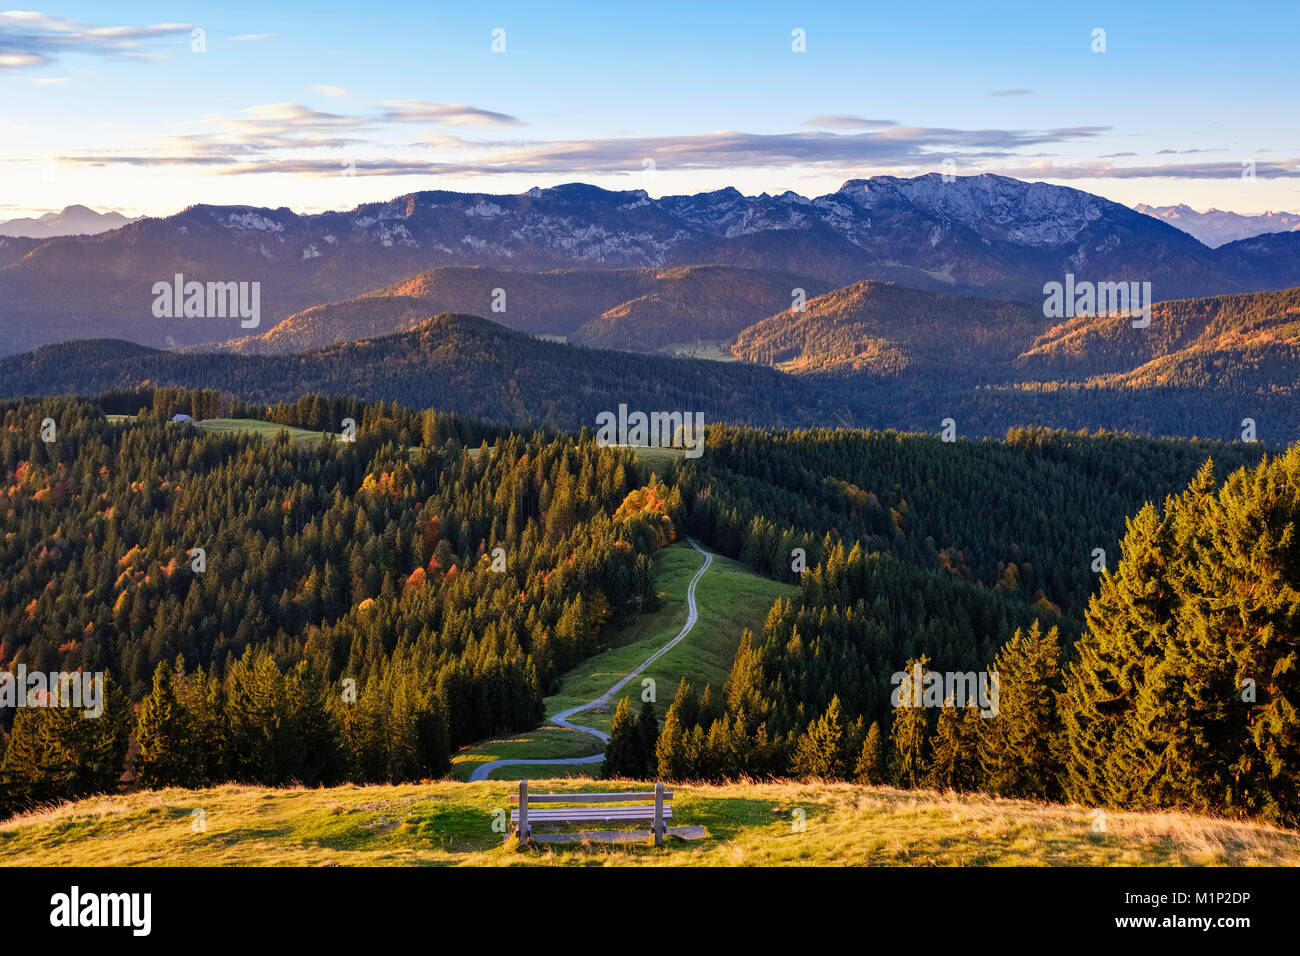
(331, 104)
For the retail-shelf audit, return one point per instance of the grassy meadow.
(747, 824)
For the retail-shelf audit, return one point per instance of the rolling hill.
(886, 330)
(450, 362)
(639, 310)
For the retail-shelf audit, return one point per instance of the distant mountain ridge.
(979, 235)
(69, 221)
(1217, 227)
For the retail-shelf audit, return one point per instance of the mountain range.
(1217, 227)
(69, 221)
(983, 235)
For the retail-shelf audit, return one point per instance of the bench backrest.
(640, 796)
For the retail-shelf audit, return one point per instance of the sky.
(147, 108)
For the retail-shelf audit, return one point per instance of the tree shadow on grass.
(723, 817)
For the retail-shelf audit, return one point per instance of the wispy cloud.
(889, 146)
(444, 114)
(1280, 169)
(272, 130)
(1018, 91)
(328, 89)
(29, 39)
(894, 146)
(252, 37)
(840, 121)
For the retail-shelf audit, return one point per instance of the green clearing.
(301, 436)
(446, 823)
(712, 351)
(217, 426)
(729, 598)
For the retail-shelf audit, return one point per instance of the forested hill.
(457, 363)
(873, 355)
(887, 330)
(452, 585)
(247, 581)
(640, 310)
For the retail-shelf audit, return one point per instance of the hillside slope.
(730, 598)
(458, 363)
(632, 309)
(883, 329)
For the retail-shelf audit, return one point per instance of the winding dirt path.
(562, 718)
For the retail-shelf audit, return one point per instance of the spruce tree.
(167, 753)
(910, 735)
(820, 752)
(1184, 694)
(1018, 750)
(647, 737)
(870, 766)
(622, 751)
(954, 758)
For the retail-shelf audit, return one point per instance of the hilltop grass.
(714, 351)
(729, 598)
(301, 436)
(748, 824)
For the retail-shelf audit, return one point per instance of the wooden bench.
(651, 806)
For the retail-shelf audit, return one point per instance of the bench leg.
(522, 832)
(659, 814)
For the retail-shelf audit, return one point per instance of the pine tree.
(910, 734)
(1183, 694)
(672, 749)
(167, 753)
(954, 757)
(622, 751)
(1018, 750)
(870, 765)
(647, 737)
(62, 753)
(1129, 620)
(820, 751)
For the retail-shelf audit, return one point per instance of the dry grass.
(749, 824)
